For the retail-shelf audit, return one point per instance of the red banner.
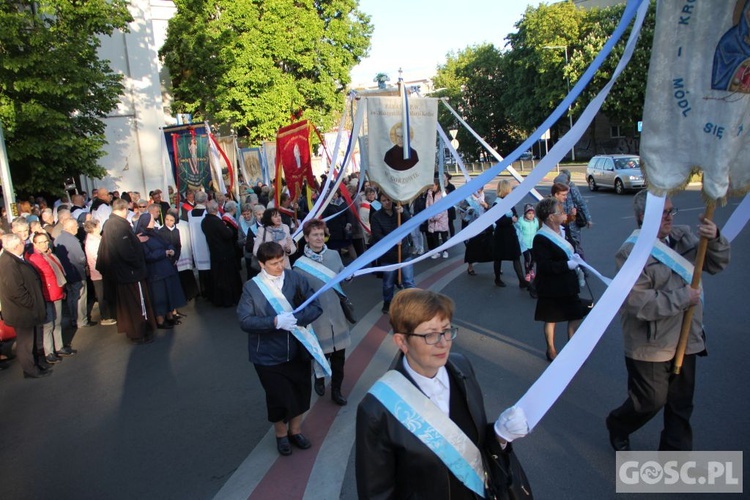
(293, 156)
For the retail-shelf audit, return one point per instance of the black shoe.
(320, 386)
(164, 326)
(618, 442)
(88, 324)
(337, 397)
(67, 351)
(173, 321)
(39, 374)
(299, 440)
(386, 307)
(499, 282)
(523, 284)
(179, 315)
(144, 340)
(53, 358)
(282, 444)
(532, 292)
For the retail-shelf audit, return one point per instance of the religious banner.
(293, 156)
(269, 159)
(401, 178)
(251, 159)
(228, 146)
(697, 98)
(188, 152)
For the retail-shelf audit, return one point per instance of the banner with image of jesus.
(188, 151)
(697, 110)
(402, 179)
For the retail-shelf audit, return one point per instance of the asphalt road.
(184, 417)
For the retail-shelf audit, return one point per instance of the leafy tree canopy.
(54, 89)
(537, 70)
(473, 81)
(253, 63)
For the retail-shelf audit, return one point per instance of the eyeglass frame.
(453, 330)
(672, 211)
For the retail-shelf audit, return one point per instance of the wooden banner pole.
(687, 319)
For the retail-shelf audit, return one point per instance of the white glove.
(572, 264)
(511, 424)
(286, 321)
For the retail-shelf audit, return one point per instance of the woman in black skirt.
(281, 361)
(556, 278)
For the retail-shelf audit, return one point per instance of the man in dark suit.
(22, 302)
(225, 272)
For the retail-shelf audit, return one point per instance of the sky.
(417, 35)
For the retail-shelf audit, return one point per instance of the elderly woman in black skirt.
(280, 359)
(556, 279)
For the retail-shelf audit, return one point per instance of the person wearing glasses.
(651, 319)
(51, 271)
(557, 278)
(429, 393)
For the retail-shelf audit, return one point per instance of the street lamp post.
(567, 78)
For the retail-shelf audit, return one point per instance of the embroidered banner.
(697, 98)
(293, 156)
(401, 179)
(252, 163)
(187, 146)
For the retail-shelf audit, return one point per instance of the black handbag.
(506, 479)
(580, 219)
(348, 308)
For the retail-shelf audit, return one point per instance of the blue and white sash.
(432, 427)
(305, 335)
(557, 239)
(669, 258)
(319, 271)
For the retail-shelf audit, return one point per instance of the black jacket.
(20, 292)
(121, 255)
(382, 224)
(553, 278)
(393, 463)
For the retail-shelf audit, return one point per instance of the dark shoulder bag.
(506, 479)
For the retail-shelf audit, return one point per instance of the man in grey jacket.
(70, 252)
(651, 322)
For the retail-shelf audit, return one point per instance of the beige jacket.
(652, 313)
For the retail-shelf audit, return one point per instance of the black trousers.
(337, 359)
(651, 387)
(27, 342)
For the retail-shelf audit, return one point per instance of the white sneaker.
(445, 255)
(435, 256)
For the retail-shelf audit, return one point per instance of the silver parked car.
(619, 172)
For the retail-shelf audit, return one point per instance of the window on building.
(615, 132)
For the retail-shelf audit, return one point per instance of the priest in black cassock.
(225, 273)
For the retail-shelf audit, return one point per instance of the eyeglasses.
(433, 338)
(672, 211)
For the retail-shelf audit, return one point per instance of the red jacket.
(52, 292)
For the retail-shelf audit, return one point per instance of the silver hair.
(212, 207)
(566, 173)
(19, 222)
(246, 207)
(230, 206)
(10, 240)
(201, 197)
(639, 206)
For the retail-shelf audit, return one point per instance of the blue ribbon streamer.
(466, 190)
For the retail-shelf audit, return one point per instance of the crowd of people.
(139, 258)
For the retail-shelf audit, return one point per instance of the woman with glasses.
(429, 402)
(557, 284)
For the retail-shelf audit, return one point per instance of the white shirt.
(437, 388)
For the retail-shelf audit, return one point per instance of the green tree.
(253, 63)
(54, 89)
(538, 73)
(473, 81)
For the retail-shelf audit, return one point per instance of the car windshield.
(624, 163)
